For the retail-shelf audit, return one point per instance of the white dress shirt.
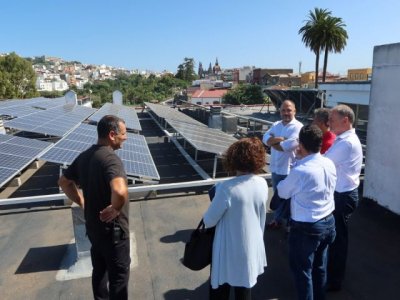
(346, 154)
(281, 161)
(310, 185)
(238, 210)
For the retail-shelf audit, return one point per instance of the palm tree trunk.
(316, 68)
(325, 64)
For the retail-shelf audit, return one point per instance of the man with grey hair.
(346, 154)
(321, 119)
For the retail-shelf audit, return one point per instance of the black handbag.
(198, 250)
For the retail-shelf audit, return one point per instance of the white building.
(346, 92)
(355, 94)
(208, 97)
(244, 73)
(50, 84)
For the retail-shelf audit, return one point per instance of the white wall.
(244, 72)
(205, 101)
(382, 170)
(117, 97)
(354, 93)
(71, 97)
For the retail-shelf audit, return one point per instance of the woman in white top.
(238, 211)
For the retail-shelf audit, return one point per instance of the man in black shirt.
(99, 172)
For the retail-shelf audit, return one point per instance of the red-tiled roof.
(209, 93)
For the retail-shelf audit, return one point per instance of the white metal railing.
(132, 189)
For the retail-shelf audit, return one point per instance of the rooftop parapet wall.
(382, 170)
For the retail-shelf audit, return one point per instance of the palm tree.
(335, 39)
(313, 34)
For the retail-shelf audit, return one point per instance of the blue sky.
(158, 34)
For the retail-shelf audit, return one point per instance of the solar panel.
(166, 112)
(16, 153)
(60, 156)
(17, 111)
(16, 140)
(127, 113)
(4, 137)
(134, 154)
(6, 174)
(20, 108)
(55, 121)
(204, 138)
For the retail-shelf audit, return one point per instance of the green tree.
(313, 34)
(335, 39)
(135, 88)
(244, 94)
(17, 78)
(52, 94)
(186, 70)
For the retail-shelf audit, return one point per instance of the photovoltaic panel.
(55, 121)
(6, 174)
(45, 103)
(32, 143)
(19, 151)
(128, 114)
(23, 107)
(11, 161)
(4, 137)
(17, 111)
(166, 112)
(203, 138)
(16, 153)
(134, 154)
(60, 156)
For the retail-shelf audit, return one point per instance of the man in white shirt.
(310, 185)
(346, 154)
(282, 139)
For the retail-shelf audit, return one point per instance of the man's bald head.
(288, 111)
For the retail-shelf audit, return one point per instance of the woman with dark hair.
(238, 211)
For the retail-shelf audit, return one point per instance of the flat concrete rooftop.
(35, 244)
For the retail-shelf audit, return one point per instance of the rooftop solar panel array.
(16, 153)
(54, 121)
(203, 138)
(135, 153)
(12, 109)
(20, 108)
(166, 112)
(128, 114)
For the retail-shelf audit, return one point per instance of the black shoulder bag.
(198, 250)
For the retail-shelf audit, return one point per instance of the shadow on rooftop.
(42, 259)
(200, 292)
(179, 236)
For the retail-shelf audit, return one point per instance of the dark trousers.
(282, 213)
(223, 291)
(110, 265)
(308, 247)
(345, 204)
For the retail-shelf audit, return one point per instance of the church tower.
(209, 70)
(200, 71)
(216, 68)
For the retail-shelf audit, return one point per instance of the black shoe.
(333, 287)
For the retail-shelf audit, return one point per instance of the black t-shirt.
(93, 171)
